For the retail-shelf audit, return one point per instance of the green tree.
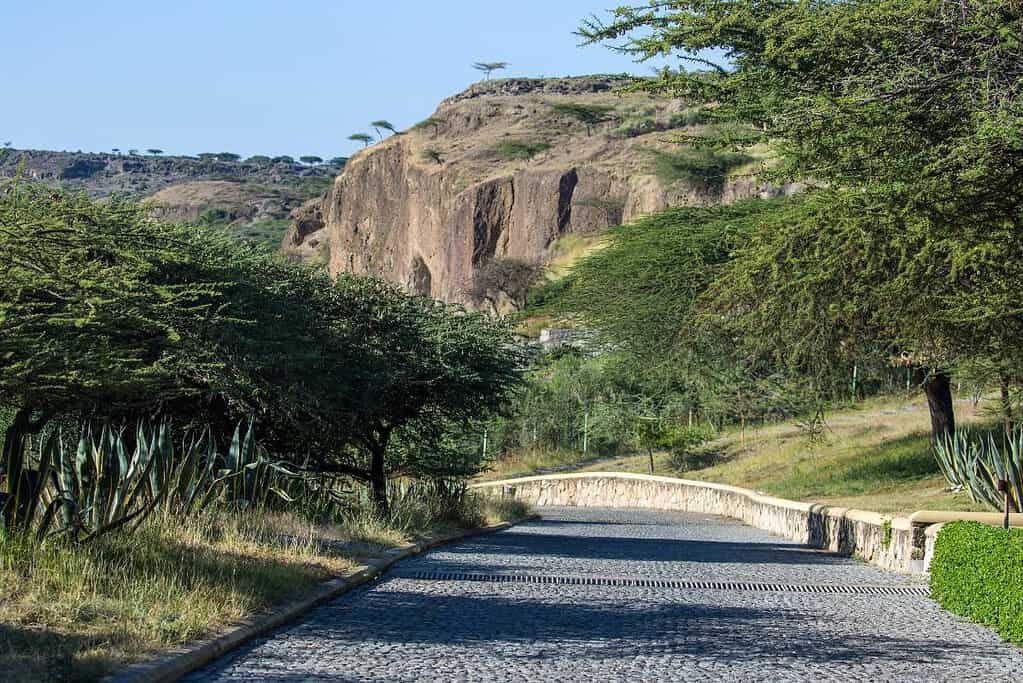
(361, 137)
(434, 155)
(382, 125)
(154, 151)
(439, 367)
(489, 67)
(910, 105)
(311, 160)
(107, 314)
(589, 115)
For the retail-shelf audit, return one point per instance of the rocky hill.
(254, 199)
(502, 171)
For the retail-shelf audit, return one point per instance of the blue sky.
(264, 76)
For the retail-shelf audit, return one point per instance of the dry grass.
(876, 456)
(526, 462)
(73, 613)
(568, 250)
(77, 612)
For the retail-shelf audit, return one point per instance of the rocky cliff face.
(498, 172)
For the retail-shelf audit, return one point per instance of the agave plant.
(103, 485)
(977, 464)
(109, 482)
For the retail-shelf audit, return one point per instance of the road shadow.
(516, 627)
(638, 550)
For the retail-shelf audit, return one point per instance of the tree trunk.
(650, 454)
(1003, 385)
(12, 468)
(378, 482)
(938, 389)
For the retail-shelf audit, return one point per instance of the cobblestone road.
(403, 628)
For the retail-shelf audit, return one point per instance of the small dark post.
(1003, 486)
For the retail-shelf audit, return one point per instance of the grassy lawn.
(76, 613)
(876, 456)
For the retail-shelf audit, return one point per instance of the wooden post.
(586, 428)
(1003, 486)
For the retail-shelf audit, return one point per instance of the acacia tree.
(436, 366)
(105, 313)
(382, 125)
(589, 115)
(489, 67)
(361, 137)
(509, 276)
(911, 104)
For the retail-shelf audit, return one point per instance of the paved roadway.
(412, 625)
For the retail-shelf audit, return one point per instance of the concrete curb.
(177, 663)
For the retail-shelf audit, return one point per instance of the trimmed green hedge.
(977, 572)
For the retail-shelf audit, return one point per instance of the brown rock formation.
(425, 207)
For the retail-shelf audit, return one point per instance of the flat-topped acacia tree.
(382, 124)
(589, 115)
(489, 67)
(364, 138)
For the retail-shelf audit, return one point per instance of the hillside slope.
(253, 199)
(497, 171)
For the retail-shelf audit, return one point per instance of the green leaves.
(110, 315)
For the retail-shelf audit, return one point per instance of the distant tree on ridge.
(489, 67)
(382, 123)
(361, 137)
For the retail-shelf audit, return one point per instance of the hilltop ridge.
(501, 171)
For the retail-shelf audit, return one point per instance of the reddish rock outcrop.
(425, 207)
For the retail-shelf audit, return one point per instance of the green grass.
(76, 612)
(977, 572)
(874, 456)
(526, 462)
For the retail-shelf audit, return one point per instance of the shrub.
(977, 572)
(686, 117)
(684, 444)
(521, 149)
(512, 276)
(701, 166)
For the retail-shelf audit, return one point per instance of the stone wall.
(895, 544)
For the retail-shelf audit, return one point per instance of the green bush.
(521, 149)
(977, 572)
(699, 166)
(684, 444)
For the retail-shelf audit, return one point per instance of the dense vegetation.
(912, 249)
(897, 264)
(977, 571)
(110, 318)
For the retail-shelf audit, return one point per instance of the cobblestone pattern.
(403, 629)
